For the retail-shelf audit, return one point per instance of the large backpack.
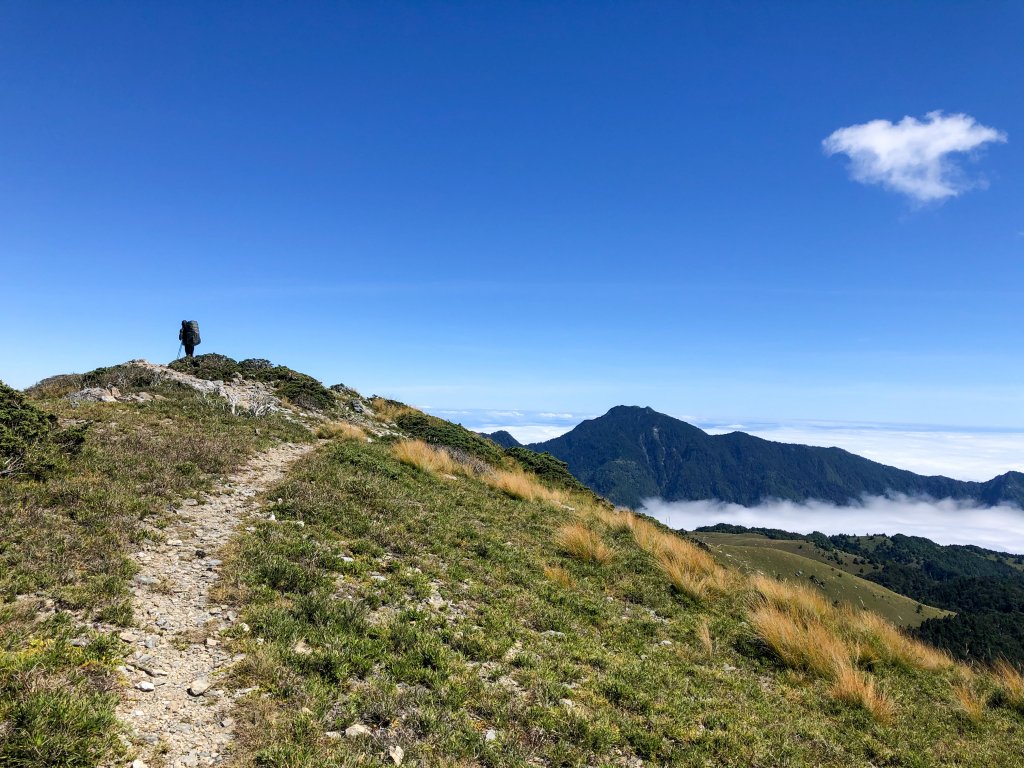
(192, 332)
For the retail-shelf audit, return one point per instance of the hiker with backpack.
(189, 336)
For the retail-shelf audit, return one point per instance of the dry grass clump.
(799, 599)
(703, 633)
(893, 646)
(691, 581)
(647, 535)
(520, 485)
(388, 409)
(970, 700)
(558, 575)
(801, 642)
(340, 430)
(618, 519)
(1011, 684)
(690, 570)
(582, 543)
(857, 688)
(426, 457)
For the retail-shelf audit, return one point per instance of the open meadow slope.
(410, 593)
(834, 573)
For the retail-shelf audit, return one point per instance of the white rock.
(333, 735)
(491, 735)
(397, 754)
(199, 686)
(146, 686)
(128, 637)
(139, 764)
(347, 559)
(356, 730)
(302, 648)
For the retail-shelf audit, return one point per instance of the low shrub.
(31, 442)
(435, 431)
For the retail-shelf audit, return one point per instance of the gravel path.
(173, 703)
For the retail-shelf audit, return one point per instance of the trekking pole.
(179, 351)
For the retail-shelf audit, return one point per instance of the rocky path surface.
(174, 705)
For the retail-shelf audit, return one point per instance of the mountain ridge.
(632, 453)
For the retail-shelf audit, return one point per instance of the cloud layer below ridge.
(943, 521)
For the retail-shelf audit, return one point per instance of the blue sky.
(552, 207)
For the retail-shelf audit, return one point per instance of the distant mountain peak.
(634, 452)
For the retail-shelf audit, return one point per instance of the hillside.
(984, 590)
(364, 584)
(834, 574)
(633, 453)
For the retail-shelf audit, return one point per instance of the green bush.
(551, 470)
(31, 443)
(304, 391)
(435, 431)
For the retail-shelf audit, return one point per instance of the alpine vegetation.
(391, 588)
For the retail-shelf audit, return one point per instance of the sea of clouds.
(957, 452)
(944, 521)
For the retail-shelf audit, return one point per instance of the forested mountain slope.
(633, 453)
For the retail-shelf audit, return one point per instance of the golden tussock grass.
(797, 598)
(852, 686)
(1011, 684)
(892, 645)
(521, 486)
(694, 582)
(418, 454)
(616, 519)
(668, 546)
(341, 430)
(690, 570)
(582, 543)
(970, 701)
(558, 575)
(647, 535)
(799, 641)
(389, 410)
(703, 633)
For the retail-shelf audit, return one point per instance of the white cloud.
(945, 522)
(914, 157)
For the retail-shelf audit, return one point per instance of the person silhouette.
(189, 336)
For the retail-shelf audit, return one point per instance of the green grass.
(804, 562)
(65, 544)
(444, 626)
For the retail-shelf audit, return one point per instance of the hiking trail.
(174, 704)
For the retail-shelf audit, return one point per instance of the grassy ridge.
(65, 542)
(468, 625)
